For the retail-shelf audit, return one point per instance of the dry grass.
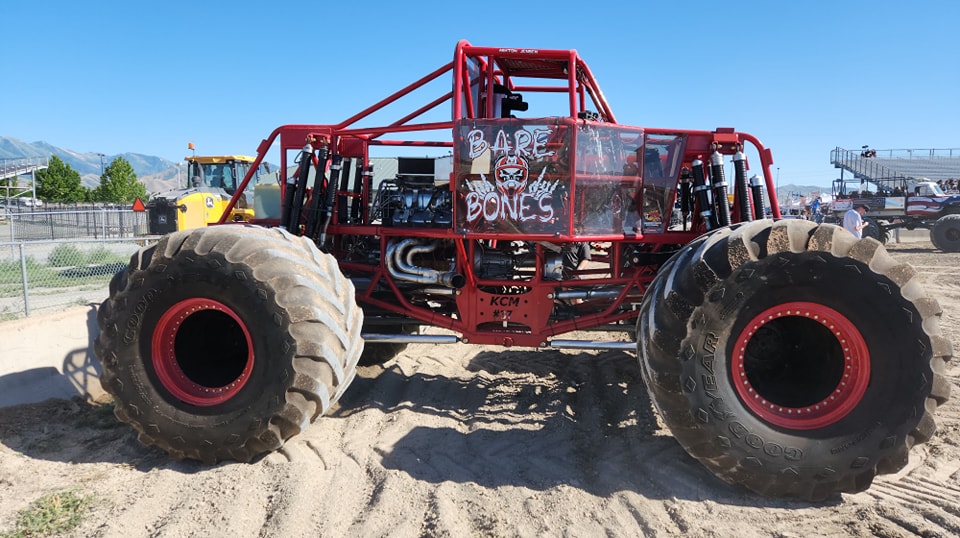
(51, 515)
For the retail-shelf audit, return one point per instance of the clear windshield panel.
(662, 158)
(470, 105)
(608, 180)
(513, 176)
(550, 176)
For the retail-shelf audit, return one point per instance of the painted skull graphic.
(511, 174)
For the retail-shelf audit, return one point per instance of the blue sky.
(804, 77)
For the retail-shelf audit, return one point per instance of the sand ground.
(451, 440)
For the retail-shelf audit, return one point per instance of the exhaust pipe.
(399, 260)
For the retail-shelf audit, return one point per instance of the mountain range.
(156, 173)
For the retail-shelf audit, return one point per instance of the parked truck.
(901, 202)
(787, 357)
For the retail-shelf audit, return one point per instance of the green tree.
(119, 184)
(59, 183)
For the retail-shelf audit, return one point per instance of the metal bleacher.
(873, 165)
(14, 168)
(21, 166)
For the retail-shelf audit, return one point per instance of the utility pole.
(101, 163)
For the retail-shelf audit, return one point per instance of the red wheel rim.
(167, 362)
(842, 398)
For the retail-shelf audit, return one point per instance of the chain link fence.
(52, 225)
(53, 260)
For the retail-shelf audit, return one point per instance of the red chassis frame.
(529, 310)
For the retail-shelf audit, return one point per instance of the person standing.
(853, 220)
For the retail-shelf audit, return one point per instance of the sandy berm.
(459, 440)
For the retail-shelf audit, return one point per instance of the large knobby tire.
(874, 231)
(224, 342)
(945, 234)
(933, 240)
(793, 359)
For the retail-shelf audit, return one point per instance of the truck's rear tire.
(223, 342)
(945, 234)
(793, 359)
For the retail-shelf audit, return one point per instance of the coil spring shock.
(756, 190)
(740, 183)
(686, 196)
(719, 189)
(701, 191)
(296, 187)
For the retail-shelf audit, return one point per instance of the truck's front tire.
(874, 230)
(223, 342)
(793, 359)
(945, 234)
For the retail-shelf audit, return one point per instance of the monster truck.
(789, 358)
(902, 203)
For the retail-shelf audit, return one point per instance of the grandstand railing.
(860, 166)
(947, 153)
(933, 164)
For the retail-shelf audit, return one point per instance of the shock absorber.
(355, 203)
(702, 193)
(340, 207)
(740, 183)
(329, 198)
(363, 206)
(756, 190)
(296, 185)
(289, 187)
(343, 212)
(720, 201)
(686, 197)
(313, 212)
